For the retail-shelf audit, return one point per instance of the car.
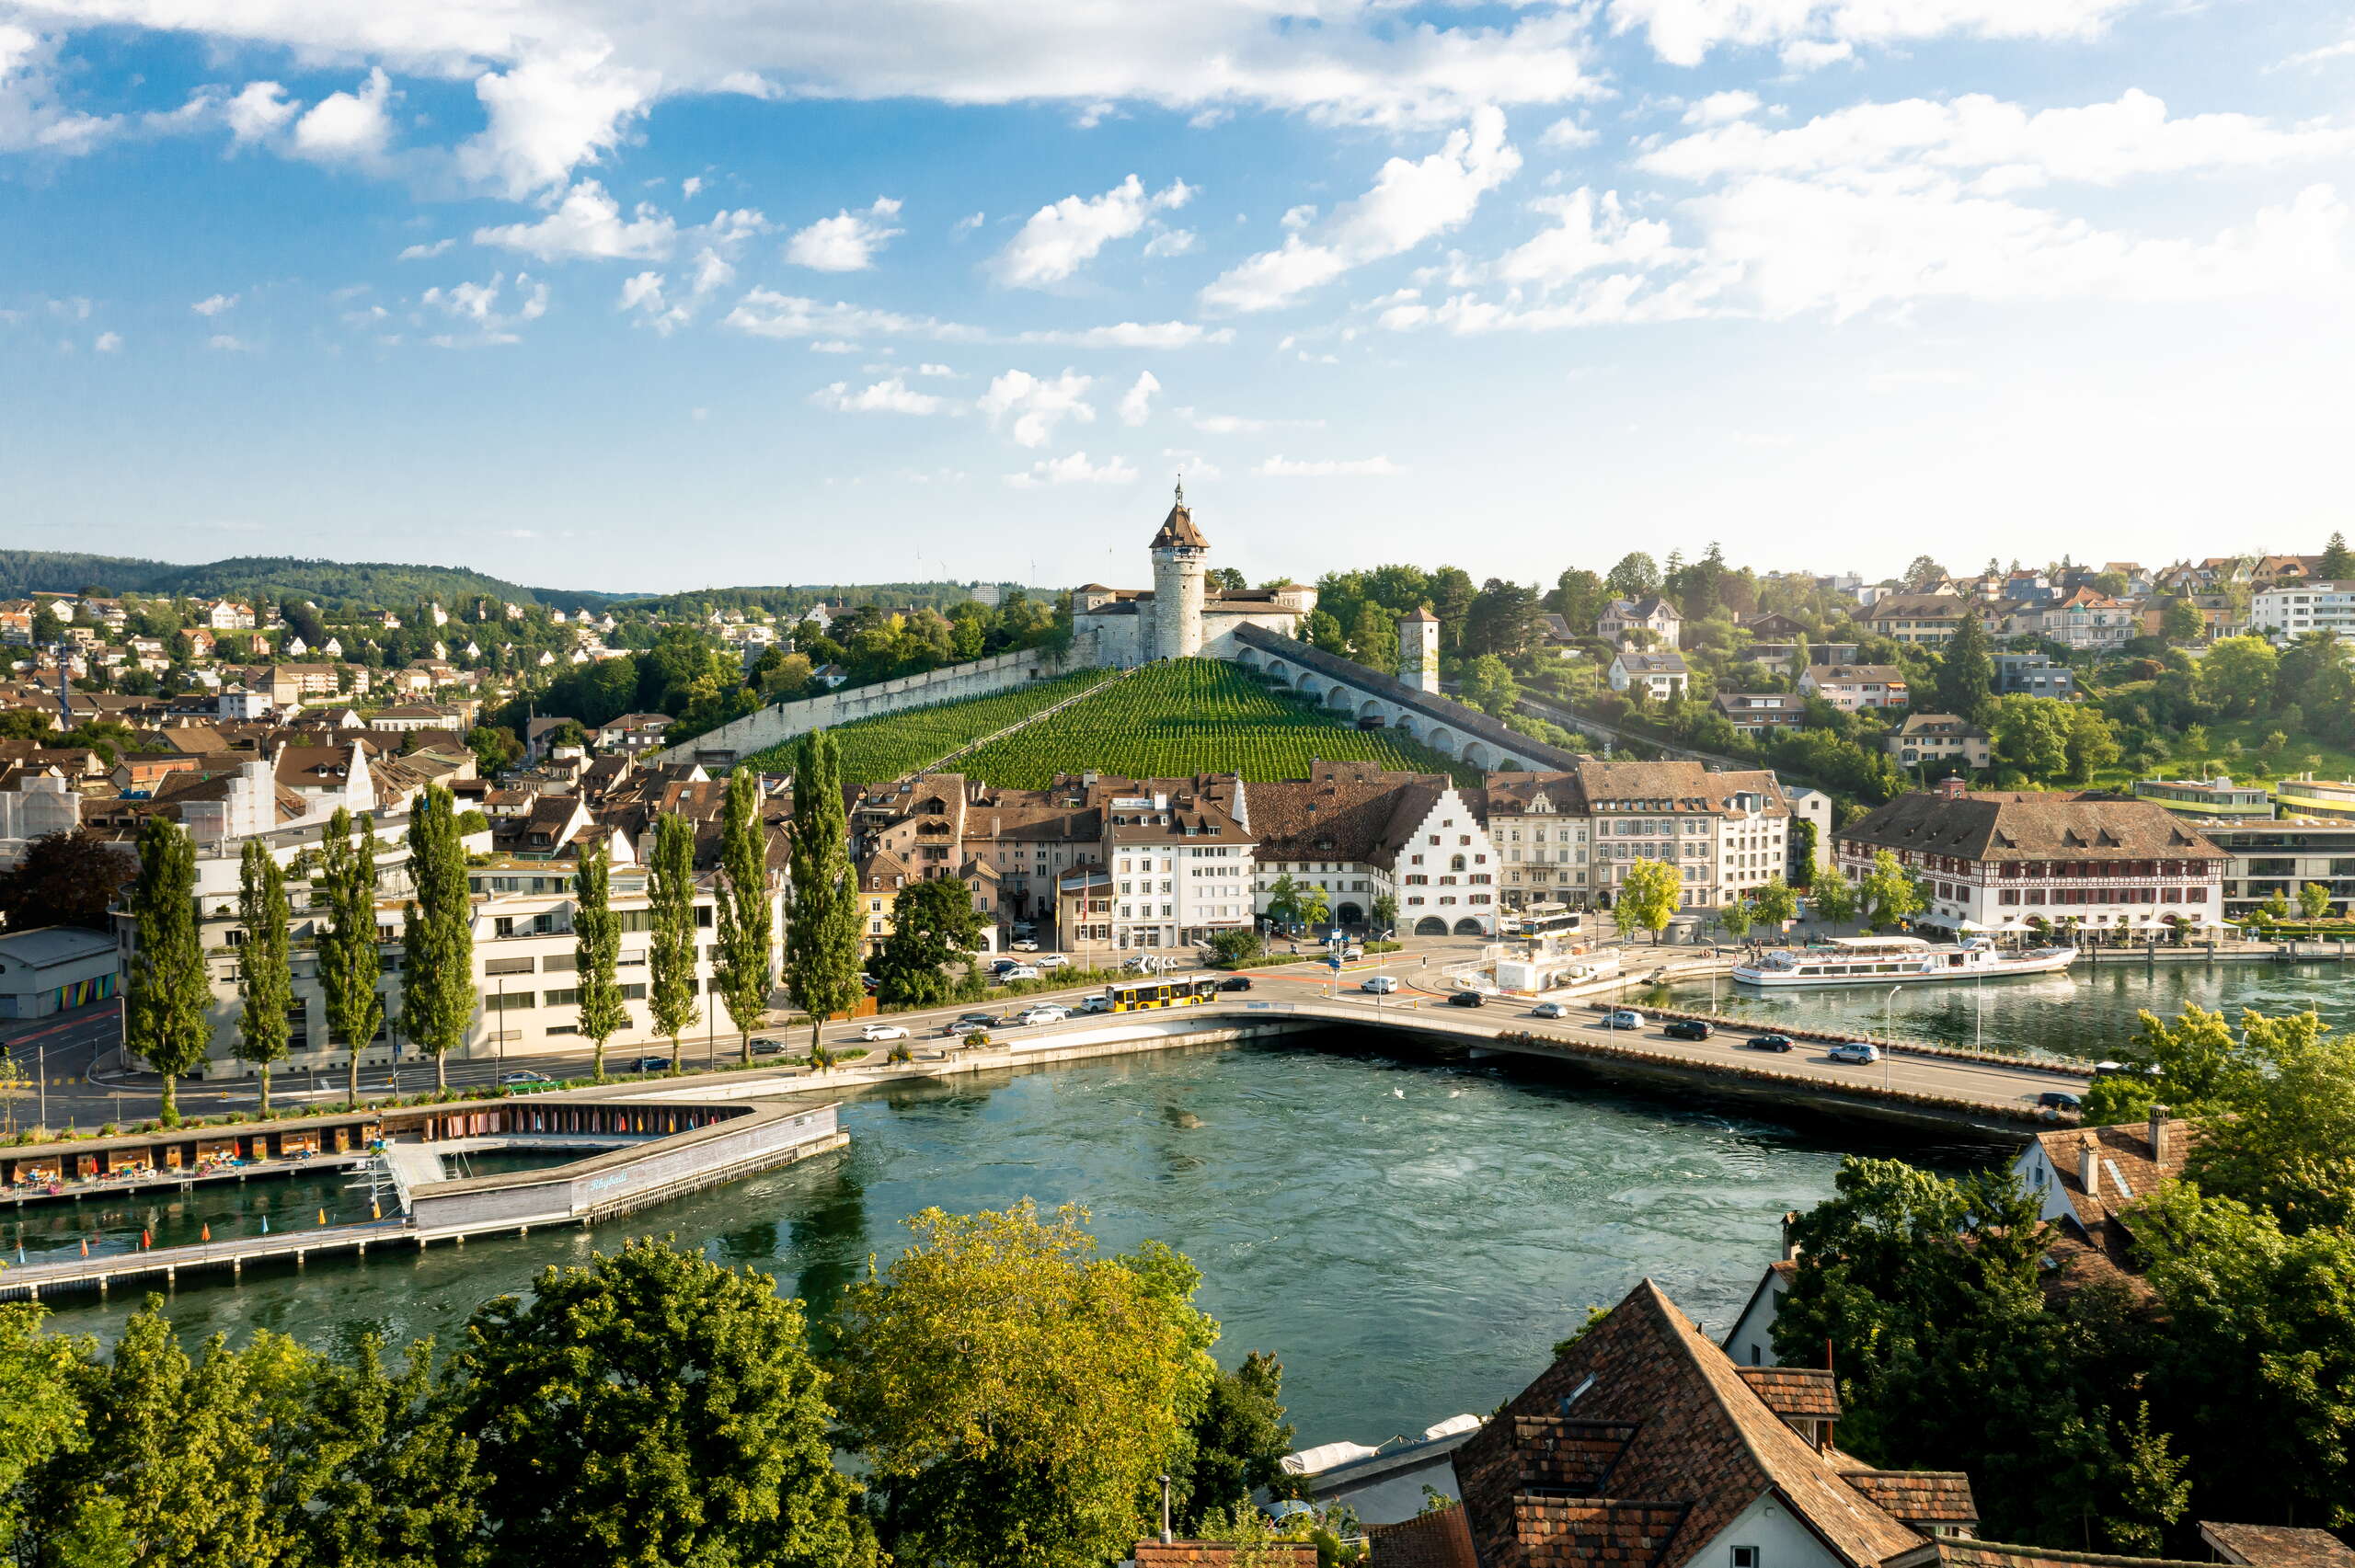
(883, 1032)
(971, 1023)
(1549, 1009)
(1051, 961)
(1096, 1005)
(1042, 1014)
(2055, 1100)
(1768, 1042)
(1024, 944)
(1351, 953)
(1623, 1018)
(1467, 999)
(768, 1048)
(1686, 1029)
(1380, 985)
(1858, 1052)
(1235, 982)
(514, 1079)
(650, 1064)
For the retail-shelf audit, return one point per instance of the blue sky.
(631, 297)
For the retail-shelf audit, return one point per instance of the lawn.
(876, 751)
(2252, 764)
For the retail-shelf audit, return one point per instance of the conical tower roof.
(1177, 529)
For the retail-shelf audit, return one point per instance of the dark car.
(1235, 982)
(650, 1064)
(1768, 1042)
(2054, 1099)
(1465, 999)
(1686, 1029)
(768, 1048)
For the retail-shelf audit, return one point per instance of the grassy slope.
(878, 749)
(2336, 762)
(1189, 716)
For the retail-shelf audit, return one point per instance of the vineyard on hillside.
(881, 749)
(1194, 715)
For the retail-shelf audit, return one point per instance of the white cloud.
(347, 127)
(214, 305)
(1193, 464)
(1136, 403)
(1061, 238)
(424, 252)
(1038, 405)
(1592, 233)
(892, 396)
(1682, 32)
(967, 224)
(647, 293)
(1287, 468)
(1130, 335)
(1568, 133)
(1172, 241)
(31, 117)
(1298, 217)
(1074, 470)
(689, 186)
(1409, 202)
(260, 110)
(935, 371)
(551, 112)
(765, 313)
(108, 343)
(848, 241)
(587, 222)
(1813, 54)
(479, 310)
(1719, 108)
(225, 343)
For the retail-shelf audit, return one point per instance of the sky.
(644, 298)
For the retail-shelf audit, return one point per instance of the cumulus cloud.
(1719, 108)
(1036, 405)
(424, 252)
(1074, 470)
(1063, 236)
(347, 127)
(1409, 203)
(765, 313)
(260, 110)
(1172, 241)
(214, 305)
(32, 119)
(1568, 133)
(1136, 403)
(1130, 335)
(1326, 468)
(892, 397)
(848, 241)
(587, 223)
(225, 343)
(1683, 32)
(549, 113)
(480, 314)
(108, 343)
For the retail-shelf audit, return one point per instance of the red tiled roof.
(2276, 1545)
(1795, 1392)
(1919, 1497)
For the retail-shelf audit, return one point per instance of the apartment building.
(2207, 799)
(1932, 739)
(2035, 674)
(1760, 712)
(2289, 610)
(2283, 856)
(1570, 837)
(1919, 620)
(2332, 800)
(1849, 687)
(1359, 833)
(1999, 859)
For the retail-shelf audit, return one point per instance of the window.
(1745, 1557)
(633, 993)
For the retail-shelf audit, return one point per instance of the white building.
(2282, 612)
(1359, 834)
(1178, 617)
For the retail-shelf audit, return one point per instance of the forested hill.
(369, 583)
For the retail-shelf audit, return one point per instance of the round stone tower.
(1181, 556)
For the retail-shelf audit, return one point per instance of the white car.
(883, 1032)
(1018, 972)
(1098, 1004)
(1380, 985)
(1051, 961)
(1024, 945)
(1041, 1016)
(1549, 1009)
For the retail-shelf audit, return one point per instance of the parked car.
(1380, 985)
(883, 1032)
(1467, 999)
(650, 1064)
(2054, 1099)
(1018, 972)
(1235, 982)
(1051, 961)
(1768, 1042)
(1859, 1052)
(1041, 1014)
(1623, 1018)
(1686, 1029)
(514, 1079)
(1351, 953)
(1024, 944)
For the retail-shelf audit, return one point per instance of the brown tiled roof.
(1342, 811)
(1919, 1497)
(1949, 1552)
(1566, 1530)
(1849, 674)
(2123, 1151)
(1440, 1539)
(1795, 1392)
(2276, 1545)
(2004, 825)
(1177, 531)
(1917, 606)
(1216, 1554)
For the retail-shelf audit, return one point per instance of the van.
(1380, 985)
(1012, 972)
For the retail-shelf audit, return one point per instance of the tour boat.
(1897, 960)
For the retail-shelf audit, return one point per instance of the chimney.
(1790, 1248)
(2159, 1136)
(2088, 1166)
(1952, 788)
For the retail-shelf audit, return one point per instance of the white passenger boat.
(1897, 960)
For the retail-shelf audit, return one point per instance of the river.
(1410, 1237)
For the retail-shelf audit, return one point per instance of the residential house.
(2035, 674)
(1918, 620)
(1783, 657)
(2001, 859)
(229, 615)
(407, 717)
(632, 734)
(1651, 613)
(1658, 674)
(1761, 713)
(1850, 687)
(1773, 626)
(2085, 619)
(1570, 837)
(2289, 610)
(2272, 571)
(1928, 740)
(881, 878)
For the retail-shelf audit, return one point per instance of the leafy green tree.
(1229, 948)
(2181, 622)
(654, 1408)
(1503, 619)
(1777, 902)
(438, 934)
(671, 956)
(348, 964)
(1490, 686)
(69, 878)
(1636, 576)
(822, 938)
(381, 1477)
(596, 949)
(1924, 575)
(1239, 1441)
(265, 977)
(2284, 1140)
(747, 966)
(1803, 843)
(1889, 893)
(2314, 901)
(1580, 598)
(1648, 900)
(1315, 909)
(2236, 676)
(2031, 735)
(1283, 901)
(169, 992)
(1738, 917)
(1383, 911)
(2276, 906)
(1833, 896)
(43, 1379)
(2195, 1065)
(934, 924)
(1373, 639)
(1014, 1394)
(496, 748)
(1967, 672)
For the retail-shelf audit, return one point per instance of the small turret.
(1181, 560)
(1418, 648)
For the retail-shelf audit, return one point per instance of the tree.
(1373, 639)
(934, 924)
(2194, 1065)
(2284, 1141)
(1014, 1394)
(164, 1010)
(1778, 905)
(2236, 676)
(2181, 622)
(1648, 900)
(1503, 619)
(1239, 1441)
(1833, 896)
(1490, 686)
(1889, 893)
(347, 963)
(1283, 901)
(1385, 911)
(1967, 672)
(822, 938)
(671, 956)
(2314, 901)
(2031, 735)
(1230, 948)
(42, 1426)
(438, 934)
(265, 977)
(654, 1408)
(1803, 843)
(1636, 576)
(1314, 908)
(1923, 574)
(496, 748)
(596, 949)
(2092, 744)
(1580, 598)
(746, 970)
(2338, 561)
(70, 878)
(1737, 917)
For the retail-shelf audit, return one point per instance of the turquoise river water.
(1409, 1236)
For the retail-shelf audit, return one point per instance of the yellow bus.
(1183, 990)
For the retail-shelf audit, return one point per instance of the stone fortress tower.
(1418, 650)
(1180, 559)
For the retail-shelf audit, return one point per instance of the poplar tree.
(747, 971)
(348, 960)
(822, 938)
(163, 1010)
(437, 934)
(596, 949)
(671, 894)
(265, 977)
